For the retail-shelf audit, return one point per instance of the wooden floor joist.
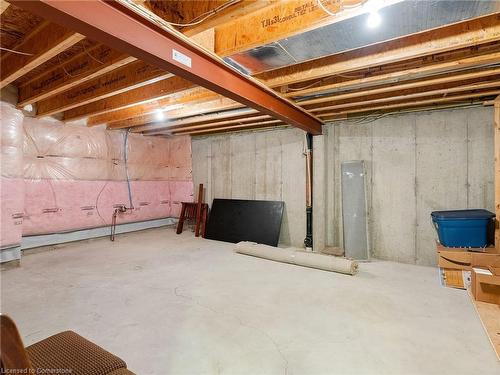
(229, 127)
(222, 104)
(211, 118)
(87, 66)
(403, 74)
(192, 96)
(423, 83)
(235, 128)
(114, 24)
(394, 77)
(281, 20)
(128, 77)
(209, 125)
(232, 13)
(68, 74)
(3, 6)
(460, 35)
(385, 99)
(464, 98)
(130, 98)
(47, 41)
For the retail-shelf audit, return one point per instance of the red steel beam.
(119, 27)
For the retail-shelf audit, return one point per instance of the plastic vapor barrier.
(11, 182)
(59, 178)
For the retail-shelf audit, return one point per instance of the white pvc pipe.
(298, 257)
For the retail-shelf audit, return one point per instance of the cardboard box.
(463, 259)
(485, 286)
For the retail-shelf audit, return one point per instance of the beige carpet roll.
(298, 257)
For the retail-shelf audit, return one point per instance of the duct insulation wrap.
(298, 257)
(59, 178)
(11, 180)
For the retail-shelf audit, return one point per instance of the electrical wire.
(97, 202)
(14, 51)
(14, 33)
(342, 7)
(125, 145)
(64, 68)
(197, 20)
(371, 117)
(92, 57)
(323, 79)
(305, 87)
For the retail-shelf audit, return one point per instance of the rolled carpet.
(298, 257)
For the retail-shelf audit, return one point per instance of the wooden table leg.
(204, 218)
(198, 211)
(180, 224)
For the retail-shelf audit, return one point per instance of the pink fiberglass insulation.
(11, 219)
(75, 176)
(65, 205)
(11, 183)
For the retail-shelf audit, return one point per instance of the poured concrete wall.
(267, 165)
(416, 163)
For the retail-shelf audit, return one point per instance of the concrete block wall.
(416, 163)
(267, 165)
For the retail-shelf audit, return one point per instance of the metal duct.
(400, 19)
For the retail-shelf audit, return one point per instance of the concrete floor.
(171, 304)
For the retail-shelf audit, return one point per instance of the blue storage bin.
(464, 228)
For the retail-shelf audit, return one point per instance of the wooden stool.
(189, 212)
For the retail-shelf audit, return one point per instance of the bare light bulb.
(159, 115)
(28, 107)
(373, 20)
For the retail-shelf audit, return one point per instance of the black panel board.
(235, 220)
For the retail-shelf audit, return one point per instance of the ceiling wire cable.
(18, 52)
(92, 57)
(342, 7)
(372, 116)
(14, 33)
(97, 202)
(393, 80)
(64, 68)
(331, 92)
(125, 146)
(197, 20)
(323, 79)
(304, 87)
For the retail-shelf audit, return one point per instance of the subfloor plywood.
(176, 304)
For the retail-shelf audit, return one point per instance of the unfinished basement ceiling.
(431, 57)
(399, 19)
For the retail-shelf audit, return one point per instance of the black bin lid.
(463, 214)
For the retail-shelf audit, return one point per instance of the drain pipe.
(308, 241)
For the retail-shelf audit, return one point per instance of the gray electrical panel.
(354, 212)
